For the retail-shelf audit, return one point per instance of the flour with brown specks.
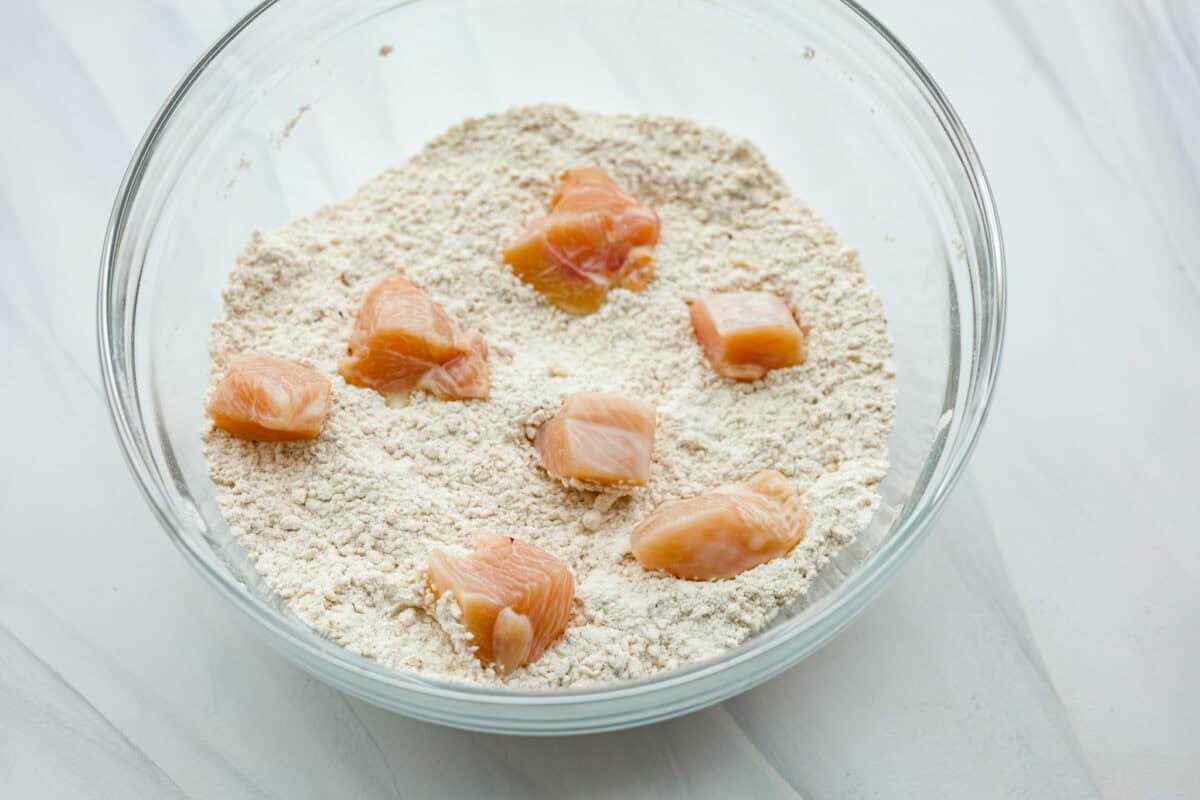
(341, 527)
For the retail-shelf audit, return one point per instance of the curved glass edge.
(543, 712)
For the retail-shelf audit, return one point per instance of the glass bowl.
(303, 100)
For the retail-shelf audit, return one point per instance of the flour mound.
(342, 527)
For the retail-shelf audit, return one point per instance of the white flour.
(341, 527)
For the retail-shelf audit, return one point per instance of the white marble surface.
(1042, 644)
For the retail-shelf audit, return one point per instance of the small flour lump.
(342, 526)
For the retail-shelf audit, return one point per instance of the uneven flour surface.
(342, 526)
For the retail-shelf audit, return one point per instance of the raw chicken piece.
(747, 334)
(724, 532)
(599, 438)
(403, 341)
(270, 399)
(515, 598)
(594, 238)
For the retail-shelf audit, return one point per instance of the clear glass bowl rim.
(373, 681)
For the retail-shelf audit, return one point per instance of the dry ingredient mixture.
(342, 526)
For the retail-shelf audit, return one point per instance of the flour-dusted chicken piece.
(515, 599)
(594, 238)
(403, 341)
(747, 334)
(724, 532)
(599, 438)
(270, 399)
